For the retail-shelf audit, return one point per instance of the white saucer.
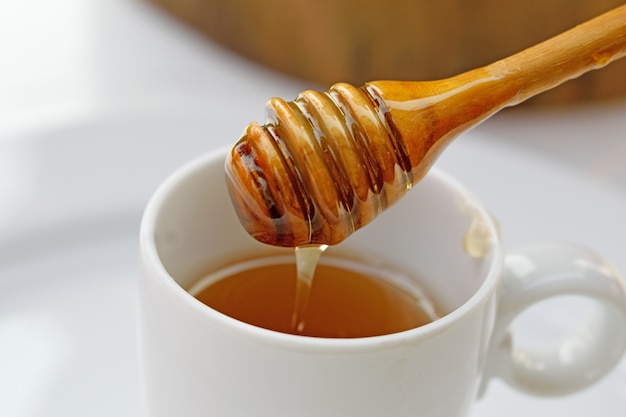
(68, 257)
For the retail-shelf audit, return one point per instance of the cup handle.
(537, 272)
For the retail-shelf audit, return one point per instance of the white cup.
(199, 362)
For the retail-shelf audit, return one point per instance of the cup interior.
(438, 233)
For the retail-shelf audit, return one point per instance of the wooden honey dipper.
(328, 163)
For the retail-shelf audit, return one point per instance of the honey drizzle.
(307, 258)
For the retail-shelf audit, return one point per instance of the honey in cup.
(348, 298)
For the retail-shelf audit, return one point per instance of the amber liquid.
(345, 300)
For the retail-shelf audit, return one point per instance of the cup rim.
(153, 266)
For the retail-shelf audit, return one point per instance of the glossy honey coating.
(321, 167)
(326, 164)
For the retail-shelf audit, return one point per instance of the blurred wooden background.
(327, 41)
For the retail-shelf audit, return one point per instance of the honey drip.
(307, 258)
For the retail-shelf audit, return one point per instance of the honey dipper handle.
(427, 115)
(589, 46)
